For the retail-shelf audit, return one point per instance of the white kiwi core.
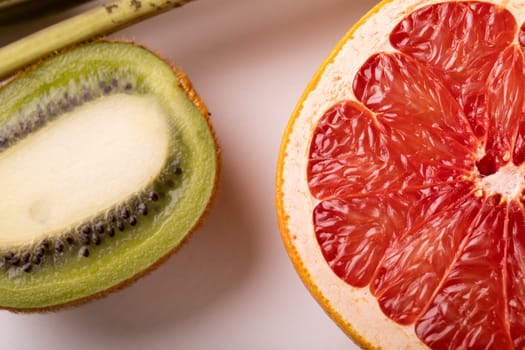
(83, 163)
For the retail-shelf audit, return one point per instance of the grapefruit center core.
(508, 181)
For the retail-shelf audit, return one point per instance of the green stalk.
(104, 19)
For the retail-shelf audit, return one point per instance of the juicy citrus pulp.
(400, 188)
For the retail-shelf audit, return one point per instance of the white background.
(232, 285)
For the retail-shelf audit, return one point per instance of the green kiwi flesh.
(107, 162)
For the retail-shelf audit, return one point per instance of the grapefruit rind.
(355, 310)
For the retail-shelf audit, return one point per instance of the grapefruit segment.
(346, 136)
(428, 124)
(411, 272)
(459, 42)
(353, 235)
(505, 107)
(516, 274)
(469, 310)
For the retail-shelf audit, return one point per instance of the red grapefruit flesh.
(418, 178)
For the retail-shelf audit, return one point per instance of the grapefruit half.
(401, 177)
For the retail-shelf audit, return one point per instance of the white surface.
(232, 285)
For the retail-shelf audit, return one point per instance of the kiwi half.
(107, 162)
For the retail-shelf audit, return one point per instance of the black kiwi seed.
(39, 251)
(96, 238)
(153, 196)
(99, 227)
(36, 259)
(120, 225)
(175, 165)
(39, 118)
(25, 127)
(51, 110)
(132, 220)
(86, 229)
(84, 251)
(143, 209)
(72, 100)
(15, 260)
(86, 94)
(15, 132)
(64, 105)
(24, 258)
(84, 238)
(27, 267)
(104, 87)
(124, 213)
(110, 231)
(128, 86)
(70, 240)
(45, 244)
(114, 82)
(8, 257)
(59, 246)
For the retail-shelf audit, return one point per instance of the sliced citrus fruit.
(401, 177)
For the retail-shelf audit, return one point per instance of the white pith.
(82, 163)
(509, 181)
(356, 309)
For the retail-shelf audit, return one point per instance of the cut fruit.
(107, 163)
(401, 177)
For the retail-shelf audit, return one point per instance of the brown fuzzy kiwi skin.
(186, 85)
